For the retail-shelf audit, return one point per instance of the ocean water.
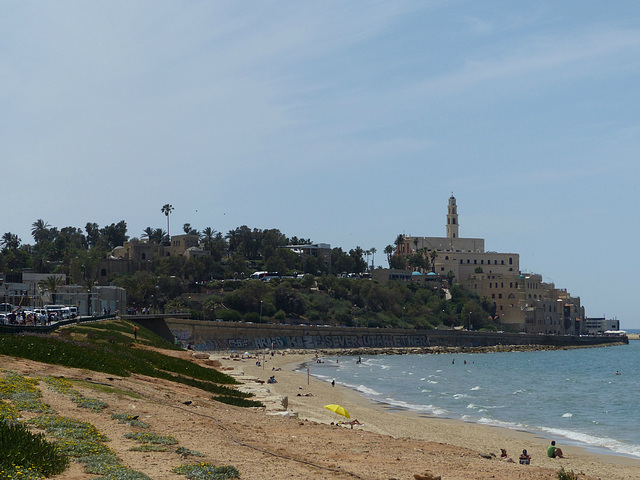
(574, 396)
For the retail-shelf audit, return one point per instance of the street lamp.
(260, 311)
(470, 321)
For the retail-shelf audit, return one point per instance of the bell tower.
(452, 218)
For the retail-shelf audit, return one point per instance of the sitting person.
(525, 458)
(553, 451)
(503, 453)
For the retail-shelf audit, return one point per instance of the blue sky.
(344, 122)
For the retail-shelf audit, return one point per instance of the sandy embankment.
(376, 418)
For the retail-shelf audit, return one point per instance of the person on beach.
(353, 422)
(503, 453)
(525, 458)
(333, 383)
(553, 451)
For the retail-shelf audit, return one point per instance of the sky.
(344, 122)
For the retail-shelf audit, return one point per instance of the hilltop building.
(521, 300)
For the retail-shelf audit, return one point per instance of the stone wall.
(203, 335)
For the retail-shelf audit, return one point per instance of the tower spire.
(452, 218)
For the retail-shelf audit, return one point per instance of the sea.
(587, 397)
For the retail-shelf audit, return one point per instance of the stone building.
(137, 254)
(522, 301)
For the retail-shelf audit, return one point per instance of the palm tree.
(433, 255)
(11, 241)
(388, 250)
(190, 231)
(39, 230)
(373, 256)
(51, 284)
(167, 209)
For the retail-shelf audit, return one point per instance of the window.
(499, 295)
(510, 261)
(144, 256)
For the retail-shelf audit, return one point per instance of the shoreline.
(398, 423)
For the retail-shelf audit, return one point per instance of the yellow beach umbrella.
(338, 409)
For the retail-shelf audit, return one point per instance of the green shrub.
(228, 315)
(148, 437)
(564, 475)
(185, 452)
(238, 402)
(22, 450)
(206, 471)
(252, 317)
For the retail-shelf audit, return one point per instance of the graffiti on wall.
(315, 342)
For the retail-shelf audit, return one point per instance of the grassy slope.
(109, 347)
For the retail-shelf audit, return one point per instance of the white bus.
(61, 311)
(264, 276)
(6, 308)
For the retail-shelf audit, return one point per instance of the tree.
(359, 264)
(190, 231)
(208, 234)
(114, 235)
(51, 284)
(373, 257)
(388, 250)
(11, 241)
(40, 230)
(155, 235)
(93, 234)
(167, 209)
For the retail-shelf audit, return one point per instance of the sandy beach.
(473, 440)
(299, 441)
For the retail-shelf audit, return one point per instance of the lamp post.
(470, 321)
(260, 311)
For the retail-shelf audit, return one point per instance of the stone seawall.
(223, 336)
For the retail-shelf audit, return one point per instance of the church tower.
(452, 219)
